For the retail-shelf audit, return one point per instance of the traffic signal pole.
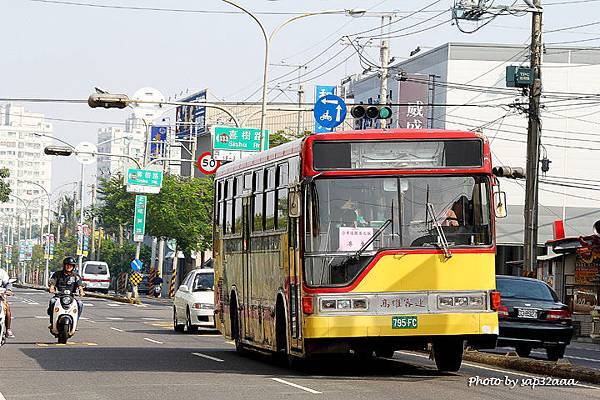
(385, 57)
(533, 143)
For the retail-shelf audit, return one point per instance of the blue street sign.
(320, 91)
(158, 143)
(330, 111)
(136, 265)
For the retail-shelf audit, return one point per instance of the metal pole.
(533, 143)
(81, 219)
(385, 57)
(93, 244)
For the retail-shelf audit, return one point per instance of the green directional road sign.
(144, 180)
(139, 219)
(238, 139)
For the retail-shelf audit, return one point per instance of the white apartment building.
(22, 152)
(463, 87)
(129, 140)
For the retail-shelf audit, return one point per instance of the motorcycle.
(3, 315)
(65, 315)
(157, 290)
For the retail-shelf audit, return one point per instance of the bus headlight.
(328, 305)
(476, 301)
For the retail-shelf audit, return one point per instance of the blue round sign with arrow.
(136, 265)
(330, 111)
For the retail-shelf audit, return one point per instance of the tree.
(4, 187)
(116, 211)
(182, 211)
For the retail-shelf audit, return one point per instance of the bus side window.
(294, 170)
(282, 196)
(218, 202)
(237, 205)
(270, 198)
(258, 223)
(229, 208)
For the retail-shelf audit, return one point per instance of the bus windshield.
(350, 219)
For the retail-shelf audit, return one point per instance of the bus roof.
(295, 146)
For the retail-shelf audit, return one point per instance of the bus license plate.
(405, 322)
(527, 313)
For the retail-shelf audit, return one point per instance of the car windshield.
(97, 269)
(346, 215)
(204, 281)
(524, 289)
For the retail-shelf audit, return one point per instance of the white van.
(96, 276)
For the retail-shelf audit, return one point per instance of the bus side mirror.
(294, 203)
(500, 204)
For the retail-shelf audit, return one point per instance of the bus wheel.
(235, 325)
(448, 354)
(281, 354)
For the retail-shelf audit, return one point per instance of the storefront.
(572, 269)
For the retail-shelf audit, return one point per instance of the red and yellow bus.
(365, 242)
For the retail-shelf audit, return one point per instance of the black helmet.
(69, 260)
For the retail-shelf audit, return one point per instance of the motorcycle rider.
(66, 279)
(5, 283)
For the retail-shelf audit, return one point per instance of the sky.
(56, 50)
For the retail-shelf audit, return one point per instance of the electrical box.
(518, 76)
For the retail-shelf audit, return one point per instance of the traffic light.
(371, 111)
(58, 151)
(108, 100)
(509, 172)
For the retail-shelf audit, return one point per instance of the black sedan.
(531, 316)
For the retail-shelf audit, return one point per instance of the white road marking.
(33, 303)
(115, 318)
(309, 390)
(83, 318)
(151, 319)
(208, 357)
(153, 341)
(2, 397)
(41, 317)
(504, 371)
(117, 329)
(113, 305)
(89, 304)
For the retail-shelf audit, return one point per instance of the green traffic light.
(385, 113)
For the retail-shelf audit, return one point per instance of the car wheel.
(176, 325)
(523, 350)
(555, 353)
(190, 327)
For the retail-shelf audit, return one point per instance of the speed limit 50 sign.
(207, 164)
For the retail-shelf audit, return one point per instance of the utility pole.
(385, 58)
(533, 143)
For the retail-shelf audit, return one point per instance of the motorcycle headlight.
(66, 301)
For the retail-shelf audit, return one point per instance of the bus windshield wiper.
(442, 237)
(372, 239)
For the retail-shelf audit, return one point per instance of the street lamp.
(269, 38)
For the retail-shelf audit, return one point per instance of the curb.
(561, 369)
(119, 299)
